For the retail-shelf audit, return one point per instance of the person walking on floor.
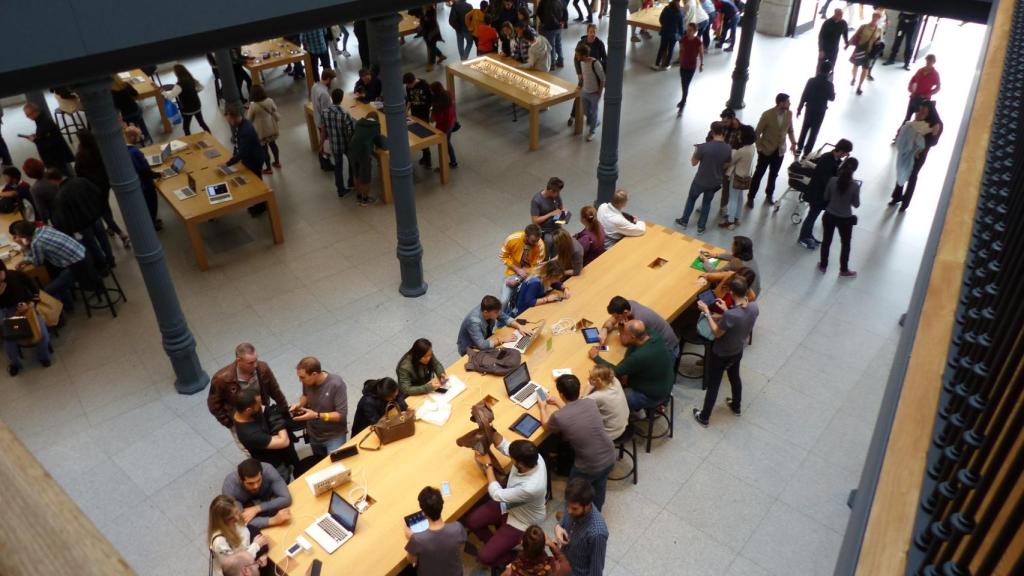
(864, 41)
(928, 114)
(691, 59)
(457, 20)
(671, 20)
(832, 30)
(711, 159)
(315, 42)
(731, 330)
(553, 16)
(741, 168)
(818, 92)
(431, 31)
(50, 144)
(593, 87)
(773, 127)
(186, 91)
(906, 32)
(264, 116)
(842, 195)
(707, 29)
(923, 85)
(597, 50)
(826, 168)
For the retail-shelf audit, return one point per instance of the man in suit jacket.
(775, 125)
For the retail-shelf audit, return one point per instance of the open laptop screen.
(516, 379)
(178, 164)
(343, 512)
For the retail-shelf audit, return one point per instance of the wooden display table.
(273, 54)
(409, 25)
(358, 110)
(197, 209)
(530, 89)
(148, 89)
(648, 18)
(395, 475)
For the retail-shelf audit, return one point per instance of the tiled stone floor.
(760, 495)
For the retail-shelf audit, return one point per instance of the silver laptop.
(189, 191)
(158, 159)
(525, 340)
(336, 526)
(177, 165)
(521, 390)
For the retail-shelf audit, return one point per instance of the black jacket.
(371, 408)
(78, 205)
(248, 149)
(551, 14)
(824, 170)
(818, 92)
(50, 144)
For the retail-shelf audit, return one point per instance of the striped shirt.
(314, 41)
(52, 246)
(588, 540)
(337, 124)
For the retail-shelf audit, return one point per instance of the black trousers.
(830, 224)
(325, 62)
(186, 122)
(685, 76)
(906, 33)
(717, 366)
(665, 50)
(772, 163)
(809, 130)
(904, 194)
(912, 105)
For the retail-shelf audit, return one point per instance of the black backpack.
(499, 361)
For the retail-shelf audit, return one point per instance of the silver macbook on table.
(521, 390)
(158, 159)
(336, 526)
(177, 165)
(524, 340)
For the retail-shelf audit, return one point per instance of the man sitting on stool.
(623, 311)
(262, 493)
(64, 256)
(647, 369)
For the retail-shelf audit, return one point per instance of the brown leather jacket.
(224, 386)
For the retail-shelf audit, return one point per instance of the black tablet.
(707, 297)
(592, 335)
(525, 426)
(417, 522)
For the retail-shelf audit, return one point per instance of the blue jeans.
(321, 448)
(735, 205)
(464, 41)
(598, 480)
(60, 286)
(42, 347)
(697, 190)
(591, 101)
(807, 230)
(640, 401)
(555, 38)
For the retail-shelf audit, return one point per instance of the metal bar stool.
(69, 116)
(666, 410)
(99, 298)
(620, 443)
(691, 336)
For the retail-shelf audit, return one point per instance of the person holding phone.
(323, 406)
(419, 371)
(228, 533)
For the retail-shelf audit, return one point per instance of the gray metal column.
(740, 74)
(608, 165)
(226, 69)
(384, 32)
(177, 338)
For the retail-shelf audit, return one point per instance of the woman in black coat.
(377, 394)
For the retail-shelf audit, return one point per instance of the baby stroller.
(799, 177)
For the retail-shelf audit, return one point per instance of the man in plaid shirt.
(315, 42)
(336, 128)
(62, 254)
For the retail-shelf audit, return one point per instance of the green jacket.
(365, 137)
(649, 368)
(414, 378)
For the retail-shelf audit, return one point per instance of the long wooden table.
(560, 90)
(358, 110)
(146, 88)
(647, 18)
(408, 25)
(275, 53)
(197, 209)
(395, 474)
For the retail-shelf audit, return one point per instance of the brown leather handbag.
(394, 426)
(481, 438)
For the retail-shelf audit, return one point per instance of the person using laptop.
(647, 371)
(436, 551)
(579, 422)
(261, 492)
(582, 532)
(623, 311)
(543, 286)
(147, 177)
(323, 406)
(373, 406)
(228, 534)
(520, 253)
(419, 371)
(509, 511)
(248, 149)
(477, 329)
(266, 441)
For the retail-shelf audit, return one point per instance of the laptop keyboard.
(523, 343)
(525, 392)
(332, 529)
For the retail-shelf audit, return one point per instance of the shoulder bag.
(395, 425)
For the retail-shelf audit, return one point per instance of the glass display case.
(515, 77)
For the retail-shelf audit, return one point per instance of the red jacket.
(224, 387)
(444, 120)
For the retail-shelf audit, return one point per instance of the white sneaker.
(590, 137)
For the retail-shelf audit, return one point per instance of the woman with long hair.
(606, 390)
(533, 559)
(431, 32)
(864, 41)
(842, 195)
(186, 91)
(89, 165)
(544, 286)
(742, 254)
(227, 533)
(264, 117)
(443, 114)
(568, 252)
(740, 173)
(419, 371)
(591, 238)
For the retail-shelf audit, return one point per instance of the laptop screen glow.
(516, 379)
